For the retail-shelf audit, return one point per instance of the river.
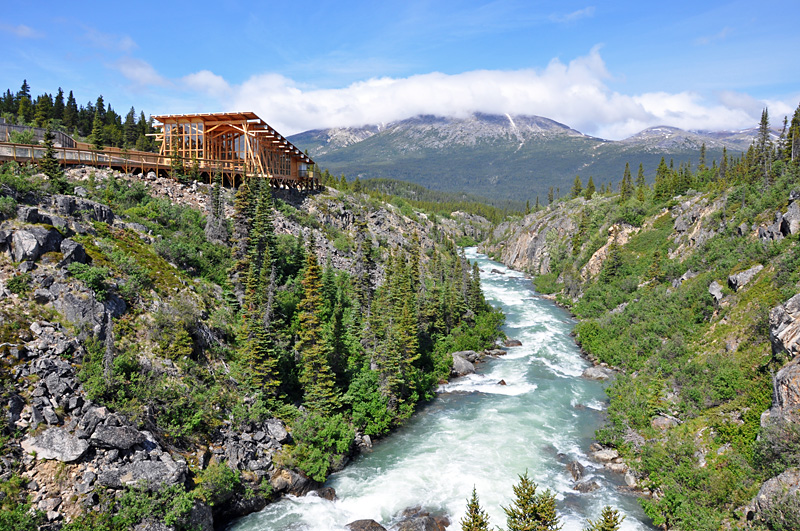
(477, 432)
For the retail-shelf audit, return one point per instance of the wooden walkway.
(130, 161)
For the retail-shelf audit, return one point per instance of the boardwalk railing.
(130, 161)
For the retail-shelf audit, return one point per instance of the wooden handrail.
(138, 159)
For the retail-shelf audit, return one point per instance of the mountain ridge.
(503, 156)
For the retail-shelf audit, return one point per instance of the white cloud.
(574, 93)
(140, 72)
(207, 83)
(586, 12)
(20, 30)
(109, 41)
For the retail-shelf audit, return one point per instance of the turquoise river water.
(477, 432)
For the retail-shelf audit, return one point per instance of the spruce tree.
(129, 130)
(25, 110)
(531, 511)
(610, 520)
(476, 518)
(96, 137)
(577, 187)
(42, 110)
(49, 164)
(70, 118)
(316, 376)
(590, 189)
(626, 186)
(550, 196)
(58, 105)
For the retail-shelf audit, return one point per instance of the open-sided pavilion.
(237, 144)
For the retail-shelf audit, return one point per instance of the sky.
(608, 69)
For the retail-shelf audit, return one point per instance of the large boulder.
(739, 280)
(32, 242)
(576, 469)
(776, 490)
(56, 443)
(73, 252)
(420, 523)
(365, 525)
(715, 289)
(461, 367)
(277, 431)
(790, 222)
(784, 328)
(596, 373)
(289, 481)
(786, 396)
(153, 474)
(67, 205)
(120, 437)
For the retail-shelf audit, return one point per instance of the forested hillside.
(683, 287)
(174, 353)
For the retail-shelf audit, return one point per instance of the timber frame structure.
(240, 145)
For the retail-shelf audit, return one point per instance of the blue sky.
(605, 68)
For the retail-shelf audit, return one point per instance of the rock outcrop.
(784, 328)
(739, 280)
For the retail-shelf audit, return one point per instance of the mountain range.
(503, 157)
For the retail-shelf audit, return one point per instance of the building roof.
(256, 126)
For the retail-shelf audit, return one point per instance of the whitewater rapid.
(478, 432)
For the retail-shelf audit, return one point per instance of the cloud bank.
(576, 93)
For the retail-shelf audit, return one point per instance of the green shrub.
(19, 284)
(217, 483)
(8, 207)
(93, 277)
(23, 137)
(319, 443)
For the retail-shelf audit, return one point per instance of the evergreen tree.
(527, 207)
(536, 206)
(626, 186)
(589, 192)
(610, 520)
(316, 376)
(476, 518)
(702, 164)
(577, 187)
(129, 129)
(661, 186)
(763, 148)
(42, 110)
(49, 164)
(244, 208)
(70, 117)
(25, 110)
(58, 105)
(550, 196)
(96, 137)
(531, 511)
(641, 182)
(24, 90)
(613, 263)
(216, 229)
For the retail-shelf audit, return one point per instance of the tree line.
(96, 122)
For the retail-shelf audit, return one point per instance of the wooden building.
(238, 144)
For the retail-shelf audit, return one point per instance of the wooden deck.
(130, 161)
